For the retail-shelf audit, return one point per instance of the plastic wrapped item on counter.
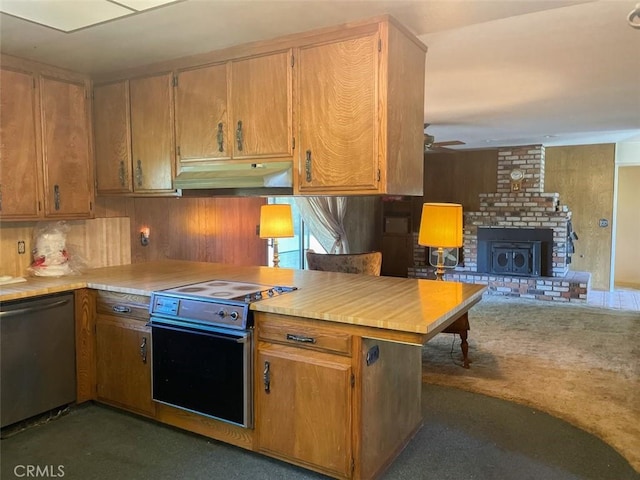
(51, 255)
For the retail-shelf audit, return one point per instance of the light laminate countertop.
(413, 306)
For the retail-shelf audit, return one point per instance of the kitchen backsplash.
(99, 242)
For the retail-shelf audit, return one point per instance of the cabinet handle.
(307, 166)
(0, 197)
(220, 137)
(267, 378)
(239, 139)
(143, 349)
(121, 309)
(122, 174)
(300, 338)
(56, 197)
(139, 173)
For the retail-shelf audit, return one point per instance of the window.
(291, 250)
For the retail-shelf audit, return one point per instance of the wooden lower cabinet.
(332, 400)
(123, 352)
(304, 407)
(124, 363)
(330, 397)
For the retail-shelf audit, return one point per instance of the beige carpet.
(578, 363)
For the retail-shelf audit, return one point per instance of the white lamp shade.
(276, 221)
(441, 225)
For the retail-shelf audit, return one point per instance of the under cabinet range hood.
(201, 179)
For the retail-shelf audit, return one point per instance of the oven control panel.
(165, 305)
(220, 313)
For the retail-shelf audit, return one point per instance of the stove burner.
(191, 289)
(217, 283)
(221, 294)
(246, 288)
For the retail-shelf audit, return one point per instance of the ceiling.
(498, 72)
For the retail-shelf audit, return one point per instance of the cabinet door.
(19, 153)
(123, 352)
(338, 116)
(202, 120)
(112, 133)
(68, 177)
(261, 106)
(306, 414)
(152, 137)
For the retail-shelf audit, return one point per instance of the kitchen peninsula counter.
(338, 365)
(418, 308)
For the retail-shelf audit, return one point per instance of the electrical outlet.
(21, 247)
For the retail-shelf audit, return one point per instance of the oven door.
(203, 369)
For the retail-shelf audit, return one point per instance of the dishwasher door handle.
(22, 311)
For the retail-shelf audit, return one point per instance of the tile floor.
(627, 299)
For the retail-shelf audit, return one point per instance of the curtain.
(325, 216)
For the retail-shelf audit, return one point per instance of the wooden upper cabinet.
(238, 109)
(68, 176)
(152, 133)
(20, 170)
(112, 135)
(261, 98)
(360, 107)
(338, 114)
(202, 118)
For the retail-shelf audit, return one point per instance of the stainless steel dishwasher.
(37, 369)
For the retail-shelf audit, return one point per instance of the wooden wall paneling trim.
(85, 308)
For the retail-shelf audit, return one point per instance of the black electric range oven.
(202, 340)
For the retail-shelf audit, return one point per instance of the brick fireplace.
(521, 240)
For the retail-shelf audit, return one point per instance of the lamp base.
(440, 265)
(276, 257)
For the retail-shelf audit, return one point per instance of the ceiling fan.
(431, 146)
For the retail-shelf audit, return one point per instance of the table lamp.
(441, 227)
(276, 222)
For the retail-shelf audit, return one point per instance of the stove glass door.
(206, 370)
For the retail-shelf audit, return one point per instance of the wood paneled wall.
(101, 242)
(584, 176)
(216, 229)
(459, 177)
(363, 223)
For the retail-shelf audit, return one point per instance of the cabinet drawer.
(114, 303)
(281, 329)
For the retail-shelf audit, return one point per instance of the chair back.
(364, 263)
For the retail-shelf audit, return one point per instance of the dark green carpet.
(465, 436)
